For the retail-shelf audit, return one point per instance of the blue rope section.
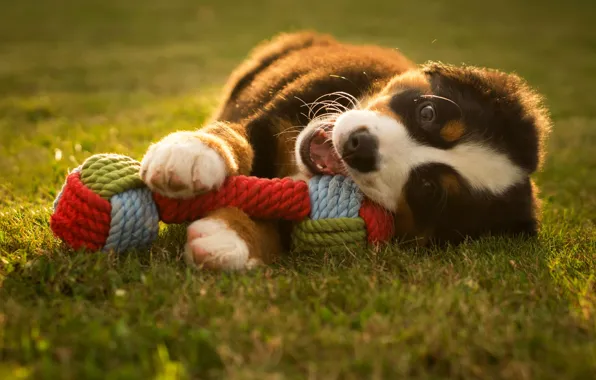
(334, 197)
(57, 200)
(135, 221)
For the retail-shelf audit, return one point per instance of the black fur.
(494, 104)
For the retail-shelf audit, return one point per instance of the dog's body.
(449, 150)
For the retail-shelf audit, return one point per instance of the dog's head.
(449, 149)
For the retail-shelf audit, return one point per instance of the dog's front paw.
(181, 166)
(213, 244)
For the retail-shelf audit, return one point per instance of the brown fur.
(404, 219)
(262, 83)
(285, 146)
(229, 140)
(406, 229)
(450, 183)
(453, 131)
(380, 104)
(409, 80)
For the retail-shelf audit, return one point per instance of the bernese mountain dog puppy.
(448, 149)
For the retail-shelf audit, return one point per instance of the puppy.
(449, 150)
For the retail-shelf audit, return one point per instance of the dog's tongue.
(324, 155)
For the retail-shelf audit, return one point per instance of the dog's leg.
(228, 239)
(186, 163)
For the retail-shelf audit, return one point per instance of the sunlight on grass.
(37, 160)
(166, 368)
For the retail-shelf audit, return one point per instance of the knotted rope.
(258, 197)
(135, 221)
(334, 197)
(104, 205)
(81, 217)
(329, 234)
(110, 174)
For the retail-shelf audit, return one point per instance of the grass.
(113, 76)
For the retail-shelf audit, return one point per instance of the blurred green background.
(175, 46)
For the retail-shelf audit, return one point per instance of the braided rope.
(59, 196)
(277, 198)
(134, 220)
(324, 234)
(334, 197)
(379, 222)
(105, 204)
(110, 174)
(81, 217)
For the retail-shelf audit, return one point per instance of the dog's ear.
(517, 110)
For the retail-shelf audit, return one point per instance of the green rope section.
(329, 234)
(110, 174)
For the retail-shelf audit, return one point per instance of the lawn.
(78, 78)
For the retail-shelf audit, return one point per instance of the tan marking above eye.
(381, 106)
(408, 80)
(453, 130)
(450, 183)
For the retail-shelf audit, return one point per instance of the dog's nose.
(360, 151)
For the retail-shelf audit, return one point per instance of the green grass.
(78, 78)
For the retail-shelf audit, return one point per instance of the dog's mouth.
(318, 153)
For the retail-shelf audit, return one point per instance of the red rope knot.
(261, 198)
(380, 225)
(82, 218)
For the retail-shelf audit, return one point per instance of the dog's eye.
(427, 113)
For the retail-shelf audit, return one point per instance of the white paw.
(213, 244)
(181, 166)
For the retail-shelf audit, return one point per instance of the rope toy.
(105, 206)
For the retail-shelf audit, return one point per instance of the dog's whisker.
(328, 104)
(354, 102)
(334, 105)
(307, 106)
(293, 129)
(323, 119)
(328, 109)
(431, 96)
(285, 133)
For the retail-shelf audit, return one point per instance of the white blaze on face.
(481, 166)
